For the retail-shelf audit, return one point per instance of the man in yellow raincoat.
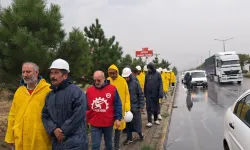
(173, 78)
(169, 77)
(166, 84)
(25, 128)
(122, 87)
(141, 77)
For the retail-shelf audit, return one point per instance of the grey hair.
(35, 66)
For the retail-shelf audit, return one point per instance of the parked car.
(237, 124)
(199, 78)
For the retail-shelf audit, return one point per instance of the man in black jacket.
(137, 104)
(188, 79)
(153, 91)
(64, 111)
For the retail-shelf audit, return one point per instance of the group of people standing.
(56, 116)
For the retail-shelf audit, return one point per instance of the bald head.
(99, 73)
(99, 78)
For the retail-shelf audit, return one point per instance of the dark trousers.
(153, 108)
(158, 108)
(135, 125)
(96, 137)
(117, 139)
(149, 113)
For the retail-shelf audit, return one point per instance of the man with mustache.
(25, 129)
(64, 110)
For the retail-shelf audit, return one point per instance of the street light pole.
(223, 42)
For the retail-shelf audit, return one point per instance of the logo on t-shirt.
(108, 95)
(100, 105)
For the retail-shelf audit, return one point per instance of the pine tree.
(75, 50)
(105, 51)
(28, 32)
(175, 70)
(164, 63)
(156, 62)
(139, 62)
(125, 62)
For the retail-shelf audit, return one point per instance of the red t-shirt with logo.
(101, 106)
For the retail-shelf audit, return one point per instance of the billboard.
(144, 53)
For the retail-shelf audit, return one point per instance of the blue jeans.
(96, 137)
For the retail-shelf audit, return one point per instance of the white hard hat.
(160, 69)
(164, 70)
(60, 64)
(138, 68)
(128, 117)
(126, 72)
(145, 68)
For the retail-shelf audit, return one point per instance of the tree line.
(31, 31)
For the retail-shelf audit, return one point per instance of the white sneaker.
(159, 117)
(157, 122)
(149, 124)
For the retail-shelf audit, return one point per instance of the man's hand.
(12, 146)
(118, 123)
(59, 135)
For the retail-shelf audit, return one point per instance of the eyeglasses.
(97, 80)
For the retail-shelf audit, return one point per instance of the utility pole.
(209, 52)
(157, 54)
(223, 42)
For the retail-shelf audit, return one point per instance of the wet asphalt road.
(197, 122)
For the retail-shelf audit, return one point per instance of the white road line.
(202, 121)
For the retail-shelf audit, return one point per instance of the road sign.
(144, 53)
(145, 49)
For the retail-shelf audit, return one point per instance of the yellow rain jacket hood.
(173, 78)
(122, 87)
(25, 127)
(165, 81)
(141, 79)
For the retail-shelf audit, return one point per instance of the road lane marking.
(202, 121)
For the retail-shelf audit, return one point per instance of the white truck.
(224, 67)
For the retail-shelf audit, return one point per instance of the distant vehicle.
(224, 67)
(237, 124)
(199, 78)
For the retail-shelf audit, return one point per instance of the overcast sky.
(181, 31)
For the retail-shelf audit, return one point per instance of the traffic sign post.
(145, 52)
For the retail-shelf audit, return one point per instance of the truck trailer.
(224, 67)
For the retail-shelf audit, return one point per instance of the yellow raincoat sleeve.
(127, 101)
(9, 138)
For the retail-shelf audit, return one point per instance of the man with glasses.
(122, 88)
(104, 109)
